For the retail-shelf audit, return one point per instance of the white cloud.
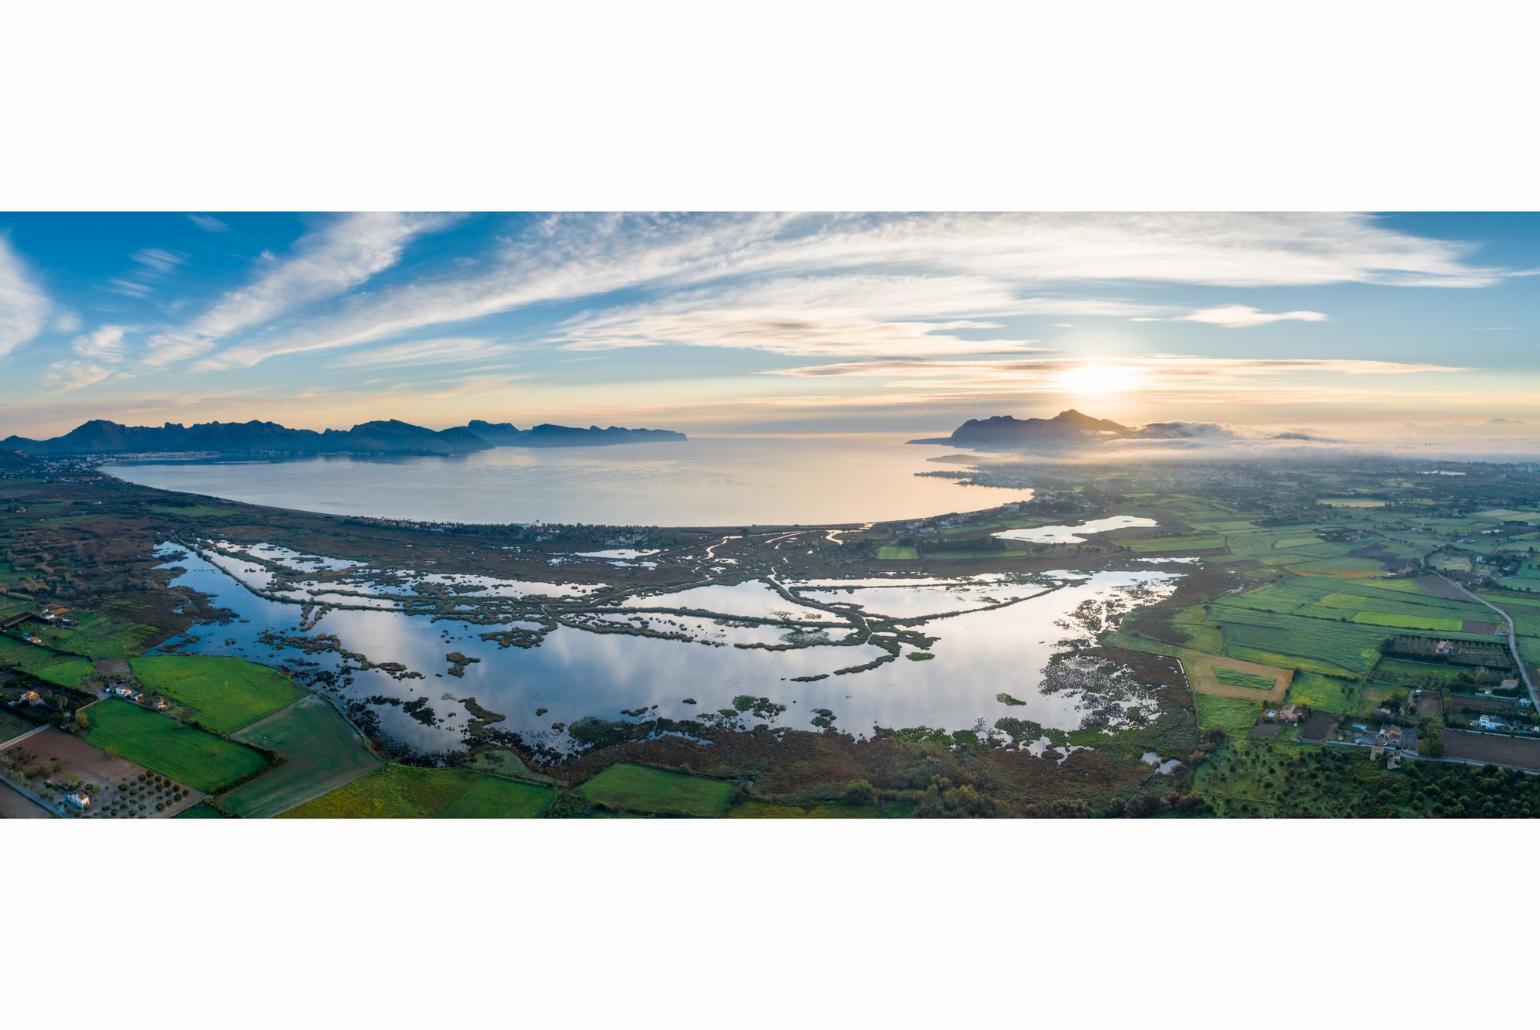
(103, 344)
(24, 307)
(1243, 316)
(208, 223)
(324, 263)
(567, 257)
(818, 316)
(1173, 370)
(439, 351)
(65, 376)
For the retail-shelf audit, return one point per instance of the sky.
(1409, 328)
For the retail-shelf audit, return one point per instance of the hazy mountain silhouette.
(391, 436)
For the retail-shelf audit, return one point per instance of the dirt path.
(1513, 639)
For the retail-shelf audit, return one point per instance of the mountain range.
(390, 436)
(1065, 431)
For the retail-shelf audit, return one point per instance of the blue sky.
(1352, 325)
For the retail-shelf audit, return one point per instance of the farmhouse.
(129, 693)
(1291, 713)
(78, 800)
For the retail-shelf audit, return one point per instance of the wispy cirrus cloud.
(441, 351)
(100, 355)
(1148, 372)
(821, 316)
(208, 223)
(323, 264)
(24, 306)
(151, 264)
(1019, 257)
(67, 376)
(102, 344)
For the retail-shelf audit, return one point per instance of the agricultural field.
(1324, 693)
(413, 792)
(13, 726)
(61, 670)
(160, 743)
(97, 636)
(1351, 502)
(1290, 641)
(220, 694)
(53, 764)
(897, 552)
(1402, 620)
(640, 788)
(321, 752)
(1176, 544)
(1230, 714)
(1229, 677)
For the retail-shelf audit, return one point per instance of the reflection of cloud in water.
(751, 597)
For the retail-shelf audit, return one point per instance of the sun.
(1097, 378)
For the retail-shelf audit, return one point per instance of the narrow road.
(1513, 638)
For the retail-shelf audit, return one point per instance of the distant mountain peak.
(381, 436)
(1069, 428)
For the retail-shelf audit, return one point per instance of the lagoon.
(991, 650)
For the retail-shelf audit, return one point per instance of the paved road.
(1513, 639)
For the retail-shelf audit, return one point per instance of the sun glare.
(1095, 378)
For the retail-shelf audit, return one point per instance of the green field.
(1158, 545)
(1437, 624)
(321, 753)
(1237, 678)
(13, 726)
(160, 743)
(1230, 714)
(61, 670)
(1305, 643)
(411, 792)
(640, 788)
(1324, 693)
(220, 694)
(99, 636)
(897, 552)
(202, 810)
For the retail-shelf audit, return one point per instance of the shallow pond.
(1075, 534)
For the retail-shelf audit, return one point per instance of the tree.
(1430, 744)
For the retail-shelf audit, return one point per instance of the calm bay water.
(706, 481)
